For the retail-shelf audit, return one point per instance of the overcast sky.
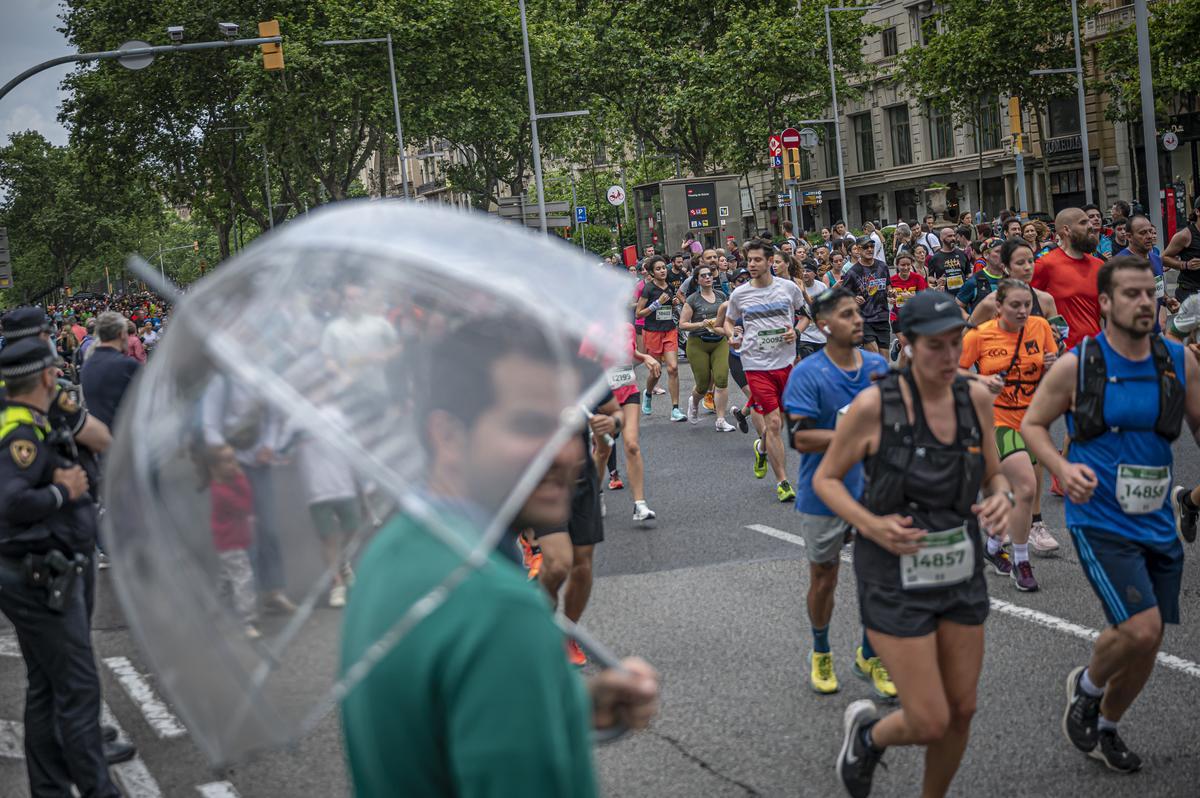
(28, 36)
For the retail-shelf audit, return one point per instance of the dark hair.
(904, 253)
(1139, 215)
(19, 386)
(1104, 278)
(823, 305)
(458, 391)
(1121, 223)
(766, 247)
(1123, 206)
(839, 221)
(1091, 206)
(1010, 247)
(1008, 285)
(787, 226)
(651, 262)
(965, 231)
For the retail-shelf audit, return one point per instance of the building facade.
(895, 145)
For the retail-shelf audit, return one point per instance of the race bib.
(665, 313)
(770, 340)
(1142, 489)
(621, 377)
(954, 281)
(947, 559)
(1160, 286)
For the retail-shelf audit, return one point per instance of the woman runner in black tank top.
(917, 558)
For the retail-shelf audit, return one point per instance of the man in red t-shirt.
(1069, 274)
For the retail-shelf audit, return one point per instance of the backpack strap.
(1089, 391)
(1171, 391)
(969, 433)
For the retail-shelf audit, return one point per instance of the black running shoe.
(742, 423)
(1082, 714)
(1112, 752)
(1185, 519)
(857, 761)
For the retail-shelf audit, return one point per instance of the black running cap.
(930, 313)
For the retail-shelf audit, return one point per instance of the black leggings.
(736, 371)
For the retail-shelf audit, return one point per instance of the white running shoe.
(693, 412)
(1040, 539)
(337, 596)
(642, 514)
(724, 426)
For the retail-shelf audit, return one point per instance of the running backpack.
(1093, 379)
(888, 467)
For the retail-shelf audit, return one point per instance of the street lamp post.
(161, 251)
(135, 57)
(534, 116)
(1077, 71)
(837, 123)
(395, 99)
(1149, 127)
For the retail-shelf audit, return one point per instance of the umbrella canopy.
(313, 370)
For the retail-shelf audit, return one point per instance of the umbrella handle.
(607, 440)
(606, 659)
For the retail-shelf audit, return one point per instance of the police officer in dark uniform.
(47, 530)
(92, 438)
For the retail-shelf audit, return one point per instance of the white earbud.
(908, 351)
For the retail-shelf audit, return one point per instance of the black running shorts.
(915, 613)
(585, 526)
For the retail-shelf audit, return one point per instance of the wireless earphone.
(908, 351)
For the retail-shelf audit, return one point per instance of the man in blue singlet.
(1131, 391)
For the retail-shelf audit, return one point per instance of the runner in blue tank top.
(1123, 410)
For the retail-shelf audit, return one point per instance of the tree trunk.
(979, 149)
(1048, 196)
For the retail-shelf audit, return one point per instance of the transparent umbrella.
(311, 372)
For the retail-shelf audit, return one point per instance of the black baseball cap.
(26, 356)
(930, 313)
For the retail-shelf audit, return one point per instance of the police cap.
(27, 356)
(24, 323)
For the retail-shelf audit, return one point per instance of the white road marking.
(1042, 619)
(12, 739)
(134, 776)
(217, 789)
(161, 719)
(9, 646)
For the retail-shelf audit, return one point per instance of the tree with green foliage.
(1175, 69)
(984, 51)
(710, 81)
(62, 214)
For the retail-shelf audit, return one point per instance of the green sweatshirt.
(478, 699)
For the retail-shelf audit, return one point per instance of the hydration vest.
(891, 465)
(1093, 378)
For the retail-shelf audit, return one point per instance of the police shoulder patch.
(23, 453)
(67, 400)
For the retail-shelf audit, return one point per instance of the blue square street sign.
(776, 161)
(580, 214)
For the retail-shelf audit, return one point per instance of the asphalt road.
(714, 598)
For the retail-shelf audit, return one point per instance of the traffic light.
(272, 52)
(791, 163)
(1014, 122)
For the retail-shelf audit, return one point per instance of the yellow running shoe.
(822, 679)
(760, 459)
(872, 670)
